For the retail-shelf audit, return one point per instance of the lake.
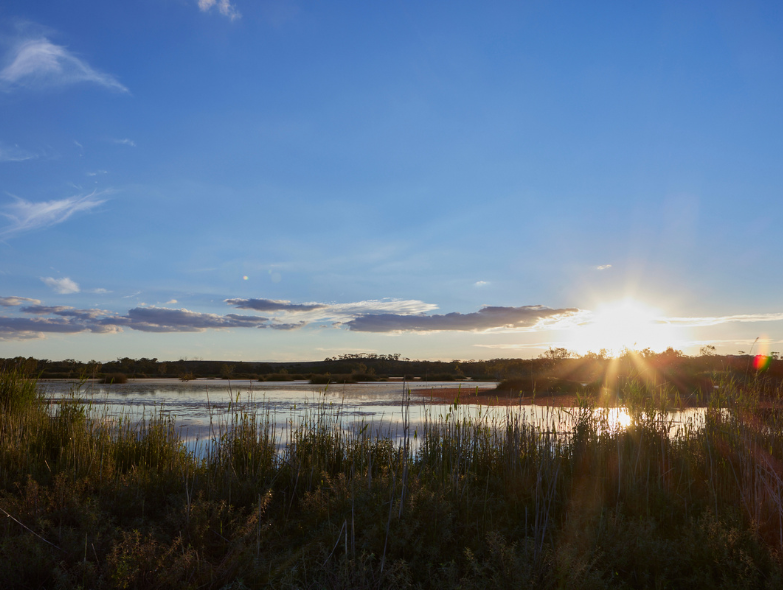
(203, 408)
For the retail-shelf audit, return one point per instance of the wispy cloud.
(27, 216)
(13, 153)
(480, 283)
(534, 346)
(39, 63)
(124, 141)
(96, 173)
(13, 301)
(63, 286)
(714, 321)
(224, 7)
(603, 267)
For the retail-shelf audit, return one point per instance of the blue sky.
(444, 180)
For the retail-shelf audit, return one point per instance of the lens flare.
(244, 278)
(761, 362)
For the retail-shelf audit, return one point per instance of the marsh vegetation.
(465, 500)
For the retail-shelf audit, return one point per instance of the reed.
(463, 499)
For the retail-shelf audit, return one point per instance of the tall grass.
(463, 500)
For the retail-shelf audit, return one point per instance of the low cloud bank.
(488, 318)
(163, 319)
(267, 305)
(388, 315)
(12, 301)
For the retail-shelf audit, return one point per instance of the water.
(199, 406)
(203, 408)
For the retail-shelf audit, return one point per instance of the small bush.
(278, 377)
(115, 378)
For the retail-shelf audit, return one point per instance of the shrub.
(115, 378)
(278, 377)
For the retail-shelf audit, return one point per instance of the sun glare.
(623, 324)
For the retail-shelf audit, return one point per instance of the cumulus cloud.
(27, 216)
(603, 267)
(224, 7)
(63, 286)
(487, 318)
(480, 283)
(39, 63)
(171, 302)
(13, 153)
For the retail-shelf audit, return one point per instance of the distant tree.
(93, 367)
(557, 354)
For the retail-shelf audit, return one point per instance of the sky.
(293, 180)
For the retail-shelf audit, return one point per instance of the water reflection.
(203, 409)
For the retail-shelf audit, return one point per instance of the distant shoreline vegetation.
(555, 371)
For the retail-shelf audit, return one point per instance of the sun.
(623, 324)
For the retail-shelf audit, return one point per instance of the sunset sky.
(284, 180)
